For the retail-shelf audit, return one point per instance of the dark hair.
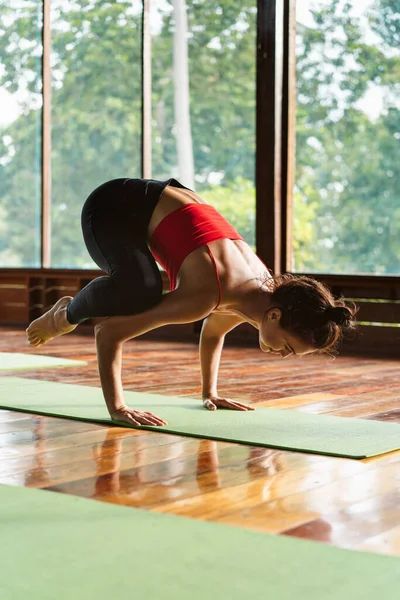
(310, 312)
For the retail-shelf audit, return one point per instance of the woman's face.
(273, 338)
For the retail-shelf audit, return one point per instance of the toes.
(35, 340)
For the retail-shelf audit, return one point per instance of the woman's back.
(228, 263)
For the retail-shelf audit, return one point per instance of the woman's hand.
(136, 417)
(214, 402)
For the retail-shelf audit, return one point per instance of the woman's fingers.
(233, 405)
(128, 419)
(136, 417)
(209, 404)
(153, 419)
(240, 406)
(148, 419)
(225, 403)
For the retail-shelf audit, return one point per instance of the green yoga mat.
(11, 361)
(289, 430)
(64, 547)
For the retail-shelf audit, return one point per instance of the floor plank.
(346, 503)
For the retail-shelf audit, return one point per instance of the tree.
(96, 92)
(347, 172)
(352, 157)
(183, 131)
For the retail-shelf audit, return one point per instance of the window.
(20, 127)
(203, 102)
(96, 111)
(347, 182)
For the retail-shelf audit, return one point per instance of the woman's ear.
(275, 314)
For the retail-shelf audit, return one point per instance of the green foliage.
(96, 113)
(222, 37)
(347, 181)
(350, 159)
(96, 98)
(305, 205)
(237, 204)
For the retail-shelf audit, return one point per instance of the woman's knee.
(137, 298)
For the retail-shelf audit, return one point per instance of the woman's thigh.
(112, 220)
(114, 224)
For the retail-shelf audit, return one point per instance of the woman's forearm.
(112, 332)
(109, 358)
(210, 356)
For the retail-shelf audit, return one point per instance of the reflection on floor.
(347, 503)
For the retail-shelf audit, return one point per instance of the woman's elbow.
(191, 309)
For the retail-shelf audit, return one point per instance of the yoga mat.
(289, 430)
(14, 361)
(64, 547)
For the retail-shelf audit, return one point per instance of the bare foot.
(50, 325)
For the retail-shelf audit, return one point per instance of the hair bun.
(338, 314)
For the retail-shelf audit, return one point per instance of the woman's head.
(304, 313)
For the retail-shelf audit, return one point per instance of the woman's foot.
(50, 325)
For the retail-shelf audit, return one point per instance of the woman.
(214, 275)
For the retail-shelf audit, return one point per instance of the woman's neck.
(253, 305)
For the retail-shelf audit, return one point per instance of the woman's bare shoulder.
(226, 312)
(219, 323)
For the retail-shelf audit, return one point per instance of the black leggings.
(115, 219)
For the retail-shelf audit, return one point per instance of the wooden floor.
(346, 503)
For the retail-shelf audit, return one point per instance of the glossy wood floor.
(346, 503)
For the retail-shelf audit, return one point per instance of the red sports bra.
(184, 230)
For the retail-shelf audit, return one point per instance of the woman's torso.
(239, 268)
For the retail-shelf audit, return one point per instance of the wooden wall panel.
(14, 299)
(366, 341)
(25, 294)
(378, 312)
(360, 286)
(57, 287)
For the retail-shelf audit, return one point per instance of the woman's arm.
(210, 357)
(114, 331)
(212, 337)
